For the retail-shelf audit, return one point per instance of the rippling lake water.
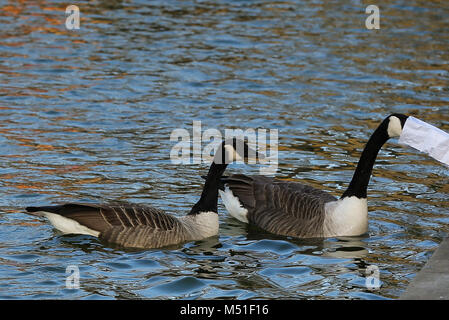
(86, 115)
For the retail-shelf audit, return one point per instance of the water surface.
(86, 115)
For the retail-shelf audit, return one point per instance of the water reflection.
(347, 247)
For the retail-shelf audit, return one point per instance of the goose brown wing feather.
(103, 217)
(281, 207)
(144, 236)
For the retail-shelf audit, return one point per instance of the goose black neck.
(362, 174)
(209, 196)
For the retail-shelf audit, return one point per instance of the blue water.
(86, 115)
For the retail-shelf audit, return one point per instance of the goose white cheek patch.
(426, 138)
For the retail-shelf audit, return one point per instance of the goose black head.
(390, 127)
(396, 122)
(228, 151)
(234, 149)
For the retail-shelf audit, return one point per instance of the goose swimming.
(140, 226)
(294, 209)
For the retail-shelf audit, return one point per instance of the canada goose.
(139, 226)
(294, 209)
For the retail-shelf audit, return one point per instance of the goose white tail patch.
(233, 205)
(67, 225)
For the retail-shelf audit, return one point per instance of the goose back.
(281, 207)
(126, 225)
